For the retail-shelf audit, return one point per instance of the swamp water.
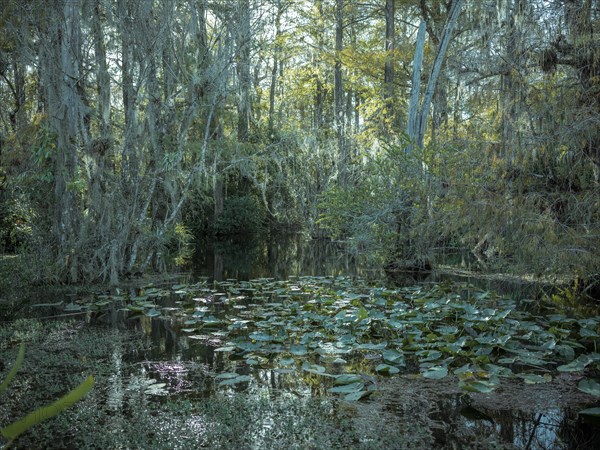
(319, 355)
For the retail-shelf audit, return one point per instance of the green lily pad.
(436, 372)
(228, 348)
(236, 380)
(386, 368)
(589, 386)
(355, 396)
(298, 350)
(347, 378)
(531, 378)
(347, 388)
(484, 387)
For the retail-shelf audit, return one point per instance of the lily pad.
(436, 372)
(236, 380)
(347, 388)
(386, 368)
(589, 386)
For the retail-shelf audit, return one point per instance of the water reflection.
(177, 365)
(279, 257)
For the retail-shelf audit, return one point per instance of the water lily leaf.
(447, 330)
(257, 336)
(566, 351)
(393, 356)
(156, 389)
(436, 372)
(347, 388)
(236, 380)
(135, 308)
(248, 346)
(287, 361)
(531, 378)
(298, 350)
(47, 305)
(386, 368)
(355, 396)
(226, 375)
(589, 386)
(485, 387)
(592, 412)
(431, 355)
(577, 365)
(73, 307)
(152, 313)
(371, 346)
(362, 313)
(228, 348)
(347, 378)
(586, 332)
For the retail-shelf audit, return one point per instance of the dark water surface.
(158, 385)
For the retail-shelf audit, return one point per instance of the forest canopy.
(130, 126)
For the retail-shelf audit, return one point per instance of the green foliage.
(383, 211)
(242, 214)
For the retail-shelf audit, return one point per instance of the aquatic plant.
(346, 332)
(15, 429)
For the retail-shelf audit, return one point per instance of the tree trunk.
(275, 68)
(417, 122)
(338, 93)
(243, 45)
(388, 72)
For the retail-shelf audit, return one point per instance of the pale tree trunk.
(320, 94)
(338, 94)
(417, 121)
(275, 68)
(102, 75)
(243, 45)
(129, 93)
(65, 111)
(412, 128)
(388, 72)
(511, 95)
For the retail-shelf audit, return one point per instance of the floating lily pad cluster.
(349, 331)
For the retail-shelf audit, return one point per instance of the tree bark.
(339, 107)
(389, 72)
(417, 122)
(275, 68)
(243, 46)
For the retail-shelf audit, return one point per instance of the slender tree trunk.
(338, 88)
(102, 76)
(417, 122)
(510, 86)
(65, 110)
(388, 72)
(275, 68)
(412, 129)
(243, 45)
